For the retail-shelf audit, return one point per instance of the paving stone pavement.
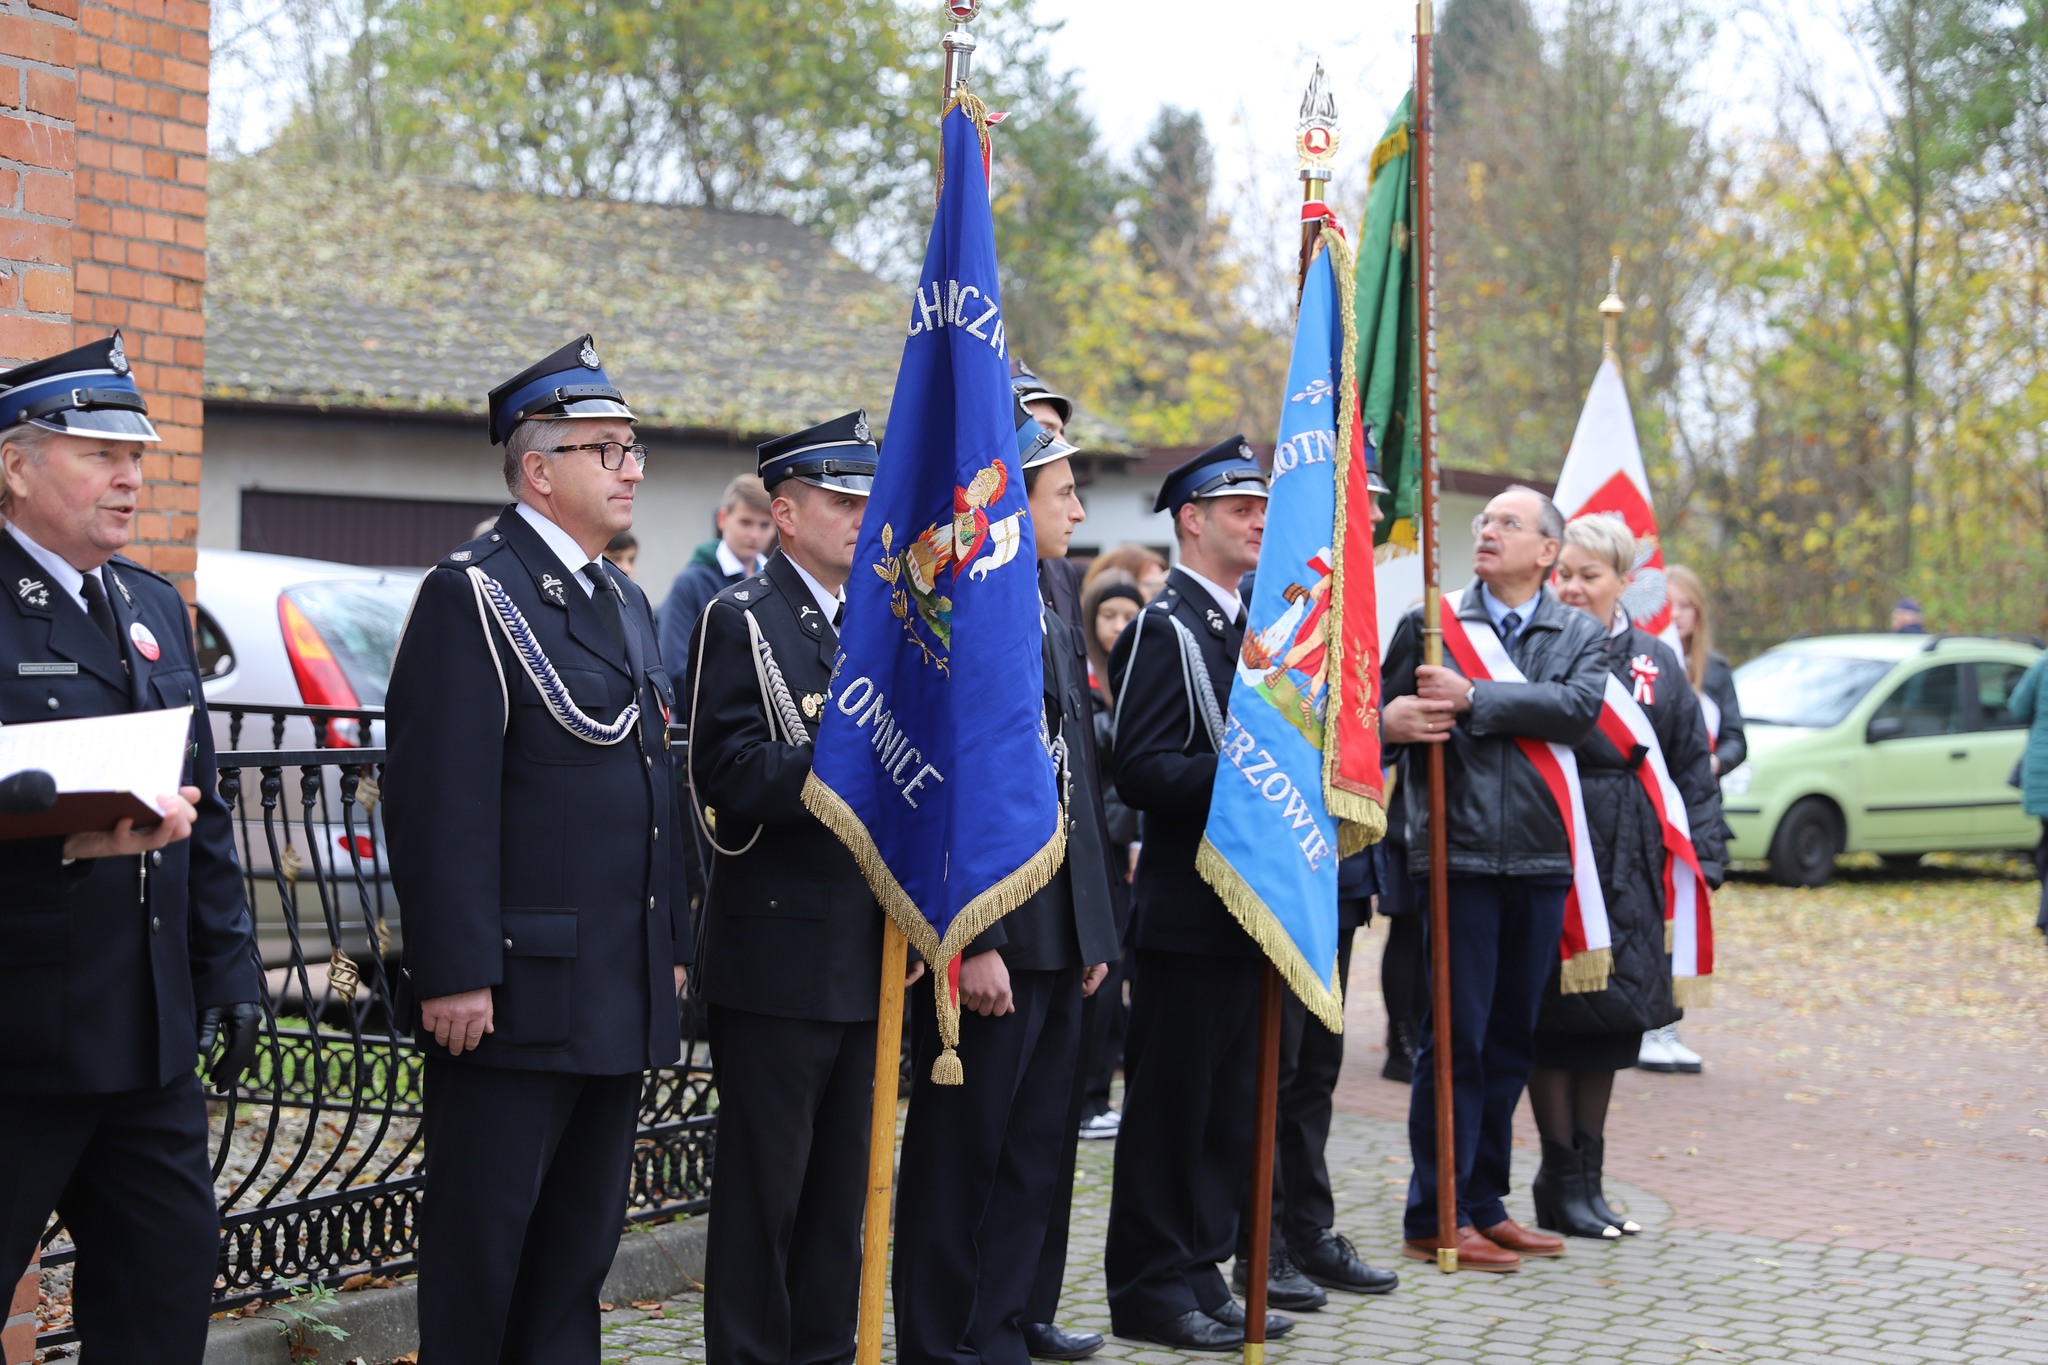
(1668, 1295)
(1861, 1175)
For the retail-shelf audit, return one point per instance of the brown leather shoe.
(1512, 1235)
(1474, 1252)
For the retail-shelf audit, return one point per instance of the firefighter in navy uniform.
(534, 844)
(792, 936)
(1183, 1152)
(123, 954)
(987, 1155)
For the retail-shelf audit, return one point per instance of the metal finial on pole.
(1611, 307)
(1316, 136)
(959, 45)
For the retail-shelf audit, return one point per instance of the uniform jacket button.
(650, 902)
(508, 943)
(773, 905)
(156, 857)
(53, 703)
(155, 923)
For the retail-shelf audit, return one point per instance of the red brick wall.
(38, 149)
(140, 237)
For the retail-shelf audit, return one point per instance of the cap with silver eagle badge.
(88, 391)
(840, 454)
(568, 384)
(1226, 469)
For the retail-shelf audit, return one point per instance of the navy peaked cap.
(569, 383)
(1226, 469)
(87, 391)
(837, 454)
(1036, 445)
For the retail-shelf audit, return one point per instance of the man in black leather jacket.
(1510, 862)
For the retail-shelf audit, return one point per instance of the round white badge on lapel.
(145, 643)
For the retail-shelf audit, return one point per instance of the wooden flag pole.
(1316, 140)
(1433, 652)
(874, 1250)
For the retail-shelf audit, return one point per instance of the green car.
(1898, 745)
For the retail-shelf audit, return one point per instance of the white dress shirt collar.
(61, 571)
(565, 547)
(828, 602)
(1226, 598)
(732, 564)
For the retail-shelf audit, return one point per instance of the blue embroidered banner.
(1272, 842)
(932, 760)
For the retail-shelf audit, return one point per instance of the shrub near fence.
(316, 1156)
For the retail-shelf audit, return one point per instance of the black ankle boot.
(1402, 1045)
(1560, 1194)
(1594, 1152)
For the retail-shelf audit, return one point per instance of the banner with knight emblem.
(1298, 779)
(933, 762)
(1603, 472)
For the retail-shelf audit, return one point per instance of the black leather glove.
(238, 1028)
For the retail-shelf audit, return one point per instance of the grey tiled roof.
(339, 290)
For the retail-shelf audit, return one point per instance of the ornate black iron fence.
(316, 1156)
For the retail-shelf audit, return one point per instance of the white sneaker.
(1656, 1053)
(1102, 1126)
(1683, 1057)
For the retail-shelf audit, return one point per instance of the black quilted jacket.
(1629, 849)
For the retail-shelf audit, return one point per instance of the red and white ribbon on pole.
(1586, 944)
(1688, 912)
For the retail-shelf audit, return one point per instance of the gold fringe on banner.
(975, 917)
(1362, 821)
(1324, 1001)
(1670, 936)
(1692, 990)
(1392, 146)
(1584, 973)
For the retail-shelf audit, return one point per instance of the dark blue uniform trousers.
(1504, 937)
(128, 1174)
(979, 1164)
(526, 1175)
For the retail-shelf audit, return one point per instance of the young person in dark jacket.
(983, 1160)
(1510, 862)
(1583, 1039)
(1713, 681)
(745, 531)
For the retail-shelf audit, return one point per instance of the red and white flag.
(1603, 472)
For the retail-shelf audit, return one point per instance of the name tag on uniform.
(45, 670)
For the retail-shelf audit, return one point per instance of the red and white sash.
(1587, 943)
(1688, 915)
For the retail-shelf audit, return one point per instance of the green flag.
(1388, 393)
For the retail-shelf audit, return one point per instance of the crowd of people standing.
(568, 870)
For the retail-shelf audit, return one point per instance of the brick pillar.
(140, 239)
(38, 151)
(18, 1336)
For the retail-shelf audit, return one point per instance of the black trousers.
(526, 1175)
(1311, 1056)
(1503, 935)
(1043, 1304)
(979, 1164)
(782, 1280)
(1184, 1148)
(128, 1173)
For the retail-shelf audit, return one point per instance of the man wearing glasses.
(1510, 859)
(535, 841)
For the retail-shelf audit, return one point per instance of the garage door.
(386, 532)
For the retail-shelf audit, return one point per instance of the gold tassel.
(1325, 1002)
(1690, 991)
(946, 1069)
(1587, 972)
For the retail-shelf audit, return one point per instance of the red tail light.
(361, 845)
(321, 681)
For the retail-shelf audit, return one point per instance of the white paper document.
(109, 759)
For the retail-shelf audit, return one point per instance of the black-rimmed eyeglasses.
(610, 454)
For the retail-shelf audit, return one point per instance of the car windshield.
(1793, 687)
(360, 620)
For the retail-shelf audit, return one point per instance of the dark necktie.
(1244, 615)
(606, 599)
(101, 611)
(838, 615)
(1509, 624)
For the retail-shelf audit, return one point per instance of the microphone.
(30, 792)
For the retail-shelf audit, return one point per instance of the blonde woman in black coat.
(1583, 1039)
